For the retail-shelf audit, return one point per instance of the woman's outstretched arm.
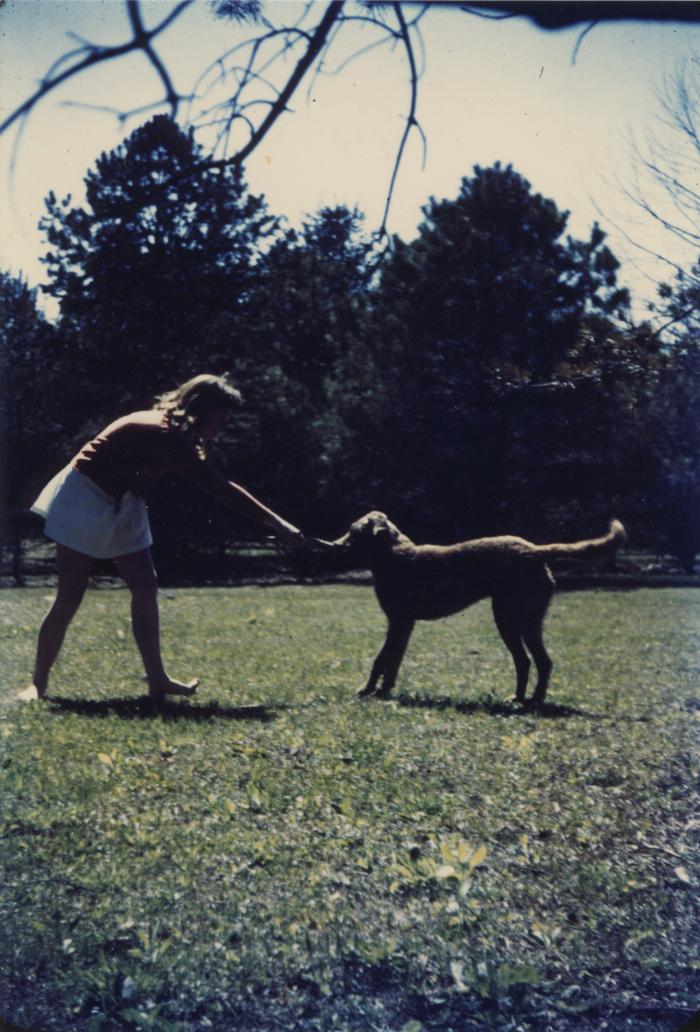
(240, 501)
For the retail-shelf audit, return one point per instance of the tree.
(666, 192)
(30, 429)
(308, 365)
(152, 275)
(675, 438)
(488, 296)
(144, 272)
(665, 187)
(581, 449)
(491, 277)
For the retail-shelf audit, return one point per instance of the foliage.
(309, 366)
(476, 381)
(675, 493)
(31, 411)
(237, 10)
(488, 301)
(146, 270)
(152, 276)
(274, 854)
(666, 192)
(491, 286)
(676, 412)
(587, 447)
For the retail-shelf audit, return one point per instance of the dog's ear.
(384, 532)
(373, 526)
(361, 527)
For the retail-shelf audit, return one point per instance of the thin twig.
(121, 116)
(144, 42)
(411, 120)
(318, 40)
(677, 319)
(580, 40)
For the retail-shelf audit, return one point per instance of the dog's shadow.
(494, 707)
(143, 708)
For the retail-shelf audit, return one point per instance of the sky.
(563, 109)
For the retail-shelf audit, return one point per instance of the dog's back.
(431, 581)
(428, 582)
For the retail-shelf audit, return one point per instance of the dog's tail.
(595, 548)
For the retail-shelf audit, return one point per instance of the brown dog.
(424, 582)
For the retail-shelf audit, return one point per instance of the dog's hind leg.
(388, 661)
(508, 617)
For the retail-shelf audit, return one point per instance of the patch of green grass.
(274, 854)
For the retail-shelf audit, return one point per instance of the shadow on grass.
(486, 704)
(144, 708)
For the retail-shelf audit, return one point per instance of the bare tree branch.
(411, 120)
(233, 107)
(580, 40)
(121, 116)
(663, 185)
(635, 243)
(316, 44)
(673, 322)
(553, 14)
(245, 75)
(141, 40)
(144, 40)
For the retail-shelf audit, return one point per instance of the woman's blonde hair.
(188, 405)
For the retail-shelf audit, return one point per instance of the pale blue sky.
(490, 91)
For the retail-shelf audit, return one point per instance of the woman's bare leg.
(73, 576)
(140, 576)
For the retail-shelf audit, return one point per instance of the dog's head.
(367, 540)
(370, 537)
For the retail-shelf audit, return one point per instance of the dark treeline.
(484, 377)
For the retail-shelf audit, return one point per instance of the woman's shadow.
(143, 708)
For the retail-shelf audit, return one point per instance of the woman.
(95, 508)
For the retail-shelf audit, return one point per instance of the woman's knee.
(73, 578)
(68, 598)
(143, 584)
(139, 573)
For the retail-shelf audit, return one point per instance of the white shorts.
(82, 516)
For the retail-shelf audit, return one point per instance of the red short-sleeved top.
(138, 449)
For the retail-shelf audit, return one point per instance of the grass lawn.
(275, 855)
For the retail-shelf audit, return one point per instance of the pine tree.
(145, 270)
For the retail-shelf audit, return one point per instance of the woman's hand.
(288, 535)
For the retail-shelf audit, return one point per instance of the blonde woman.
(95, 508)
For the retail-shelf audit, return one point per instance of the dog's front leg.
(377, 671)
(387, 663)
